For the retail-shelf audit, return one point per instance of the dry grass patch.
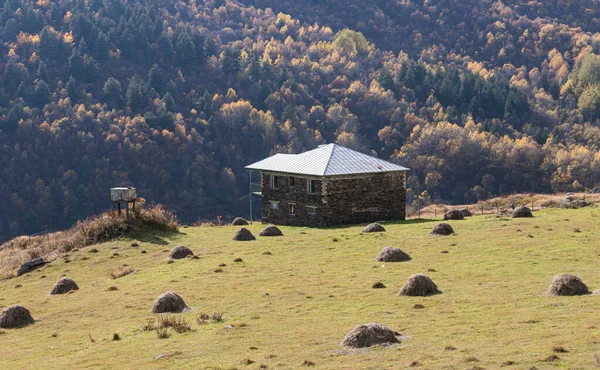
(95, 229)
(123, 271)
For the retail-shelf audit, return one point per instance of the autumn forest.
(478, 97)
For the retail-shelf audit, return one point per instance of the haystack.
(15, 316)
(169, 303)
(419, 285)
(565, 284)
(390, 254)
(454, 214)
(522, 212)
(373, 228)
(239, 221)
(179, 252)
(271, 230)
(466, 212)
(442, 229)
(63, 286)
(371, 334)
(243, 234)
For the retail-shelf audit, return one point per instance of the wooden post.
(435, 212)
(419, 213)
(119, 207)
(481, 208)
(531, 204)
(497, 209)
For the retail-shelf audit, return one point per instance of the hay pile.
(169, 303)
(271, 230)
(466, 212)
(419, 285)
(442, 229)
(373, 228)
(454, 214)
(63, 286)
(243, 234)
(15, 316)
(179, 252)
(390, 254)
(567, 285)
(239, 221)
(522, 212)
(371, 334)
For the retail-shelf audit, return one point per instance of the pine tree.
(112, 93)
(156, 79)
(169, 102)
(230, 62)
(72, 89)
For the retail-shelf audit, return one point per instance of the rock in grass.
(271, 230)
(243, 234)
(15, 316)
(371, 334)
(390, 254)
(522, 212)
(373, 228)
(442, 229)
(63, 286)
(419, 285)
(454, 214)
(567, 285)
(169, 303)
(239, 221)
(31, 265)
(179, 252)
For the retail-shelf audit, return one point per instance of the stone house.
(330, 185)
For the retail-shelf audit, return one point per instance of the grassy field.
(291, 308)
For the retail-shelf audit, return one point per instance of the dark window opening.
(311, 186)
(292, 181)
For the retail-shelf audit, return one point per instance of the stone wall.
(285, 194)
(338, 200)
(365, 198)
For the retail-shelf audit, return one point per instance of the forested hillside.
(478, 98)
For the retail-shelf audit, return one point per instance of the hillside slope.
(294, 306)
(479, 98)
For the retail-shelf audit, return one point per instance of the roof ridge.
(333, 145)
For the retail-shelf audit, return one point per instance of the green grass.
(493, 310)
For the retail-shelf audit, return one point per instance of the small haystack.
(271, 230)
(169, 303)
(15, 316)
(442, 229)
(454, 214)
(239, 221)
(390, 254)
(179, 252)
(373, 228)
(63, 286)
(371, 334)
(567, 285)
(419, 285)
(466, 212)
(522, 212)
(243, 234)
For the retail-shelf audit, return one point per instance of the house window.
(274, 204)
(273, 183)
(311, 210)
(311, 186)
(292, 181)
(292, 209)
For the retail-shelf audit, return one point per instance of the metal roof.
(326, 160)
